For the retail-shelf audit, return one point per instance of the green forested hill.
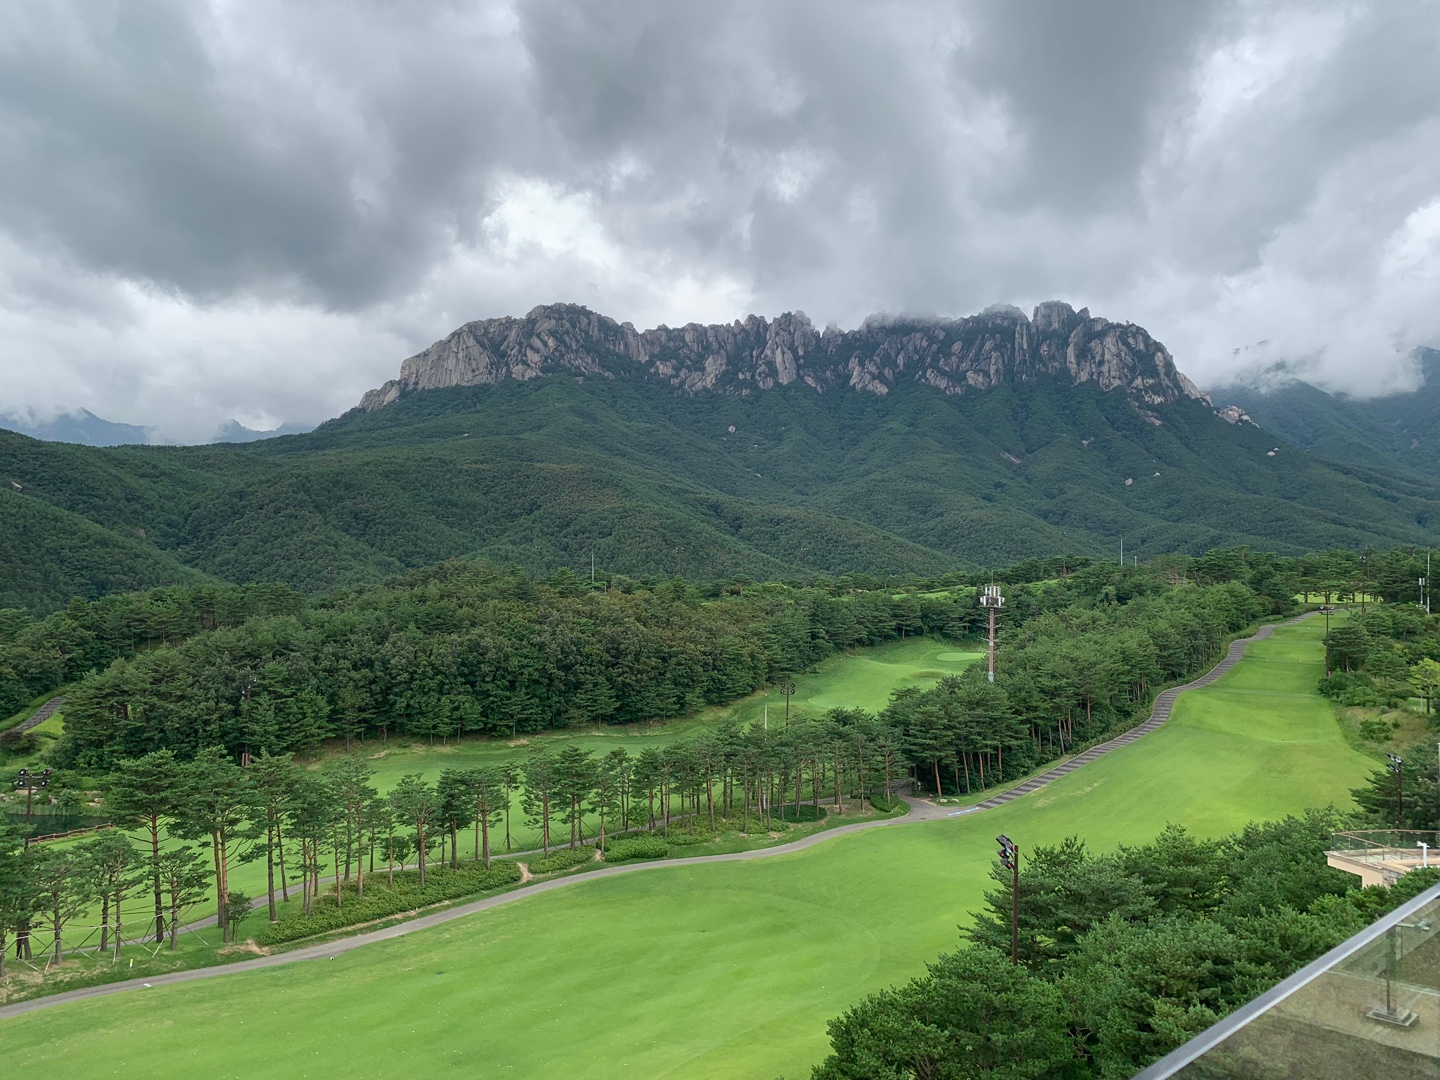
(51, 555)
(1397, 431)
(545, 472)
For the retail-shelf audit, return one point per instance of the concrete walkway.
(920, 810)
(47, 710)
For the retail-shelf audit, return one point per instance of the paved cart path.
(49, 709)
(920, 810)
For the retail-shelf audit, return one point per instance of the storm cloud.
(257, 210)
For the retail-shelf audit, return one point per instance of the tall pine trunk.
(270, 871)
(154, 825)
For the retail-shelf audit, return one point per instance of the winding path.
(47, 710)
(920, 810)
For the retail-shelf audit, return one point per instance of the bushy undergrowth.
(563, 859)
(702, 835)
(383, 900)
(638, 847)
(802, 813)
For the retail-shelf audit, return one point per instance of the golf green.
(707, 971)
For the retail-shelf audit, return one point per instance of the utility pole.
(788, 689)
(592, 568)
(1397, 766)
(1010, 860)
(29, 783)
(991, 598)
(1327, 610)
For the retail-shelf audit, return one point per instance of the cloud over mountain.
(254, 210)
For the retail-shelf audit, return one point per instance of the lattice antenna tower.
(990, 598)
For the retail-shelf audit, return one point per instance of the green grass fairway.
(865, 680)
(725, 970)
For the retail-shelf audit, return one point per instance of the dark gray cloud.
(258, 209)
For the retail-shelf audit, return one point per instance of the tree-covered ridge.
(53, 555)
(548, 473)
(466, 648)
(38, 656)
(1070, 673)
(1122, 956)
(469, 648)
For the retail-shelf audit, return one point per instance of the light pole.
(1010, 860)
(1397, 766)
(1364, 579)
(990, 598)
(788, 689)
(29, 782)
(1327, 610)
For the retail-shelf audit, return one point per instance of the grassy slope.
(722, 970)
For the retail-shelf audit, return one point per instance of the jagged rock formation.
(952, 355)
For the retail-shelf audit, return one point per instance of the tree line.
(1122, 957)
(467, 648)
(1383, 657)
(1066, 678)
(185, 824)
(38, 656)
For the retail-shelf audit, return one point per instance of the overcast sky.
(257, 210)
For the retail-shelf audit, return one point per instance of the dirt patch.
(525, 874)
(517, 742)
(248, 946)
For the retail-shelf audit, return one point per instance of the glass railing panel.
(1370, 1008)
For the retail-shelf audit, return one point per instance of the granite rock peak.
(749, 356)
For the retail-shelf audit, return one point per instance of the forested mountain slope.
(1017, 455)
(1397, 431)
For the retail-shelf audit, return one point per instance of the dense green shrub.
(637, 847)
(1347, 689)
(884, 805)
(383, 900)
(564, 859)
(1123, 955)
(703, 835)
(802, 813)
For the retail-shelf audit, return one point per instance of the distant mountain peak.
(81, 426)
(756, 354)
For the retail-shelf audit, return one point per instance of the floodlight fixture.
(1397, 766)
(1010, 859)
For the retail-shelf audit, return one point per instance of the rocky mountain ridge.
(743, 357)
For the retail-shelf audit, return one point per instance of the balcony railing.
(1383, 856)
(1368, 1008)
